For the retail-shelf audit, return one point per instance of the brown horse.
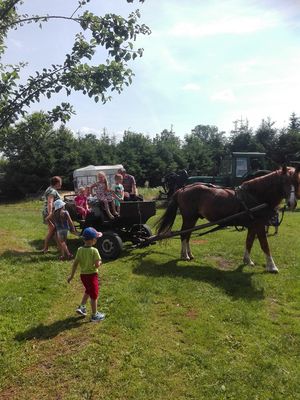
(215, 203)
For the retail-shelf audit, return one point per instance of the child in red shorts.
(89, 260)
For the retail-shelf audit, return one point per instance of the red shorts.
(91, 284)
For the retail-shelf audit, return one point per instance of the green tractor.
(235, 169)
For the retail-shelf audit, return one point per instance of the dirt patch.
(273, 307)
(192, 314)
(198, 241)
(222, 263)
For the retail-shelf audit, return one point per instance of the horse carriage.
(251, 206)
(130, 226)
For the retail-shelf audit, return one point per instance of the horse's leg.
(249, 243)
(190, 254)
(188, 222)
(263, 241)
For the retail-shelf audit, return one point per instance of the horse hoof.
(248, 262)
(272, 271)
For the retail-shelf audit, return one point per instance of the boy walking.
(89, 260)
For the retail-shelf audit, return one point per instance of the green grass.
(206, 329)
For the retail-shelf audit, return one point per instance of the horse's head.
(291, 183)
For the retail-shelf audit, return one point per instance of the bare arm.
(134, 189)
(71, 224)
(74, 267)
(50, 202)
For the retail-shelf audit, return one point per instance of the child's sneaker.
(98, 317)
(81, 310)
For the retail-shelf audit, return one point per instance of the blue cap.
(90, 233)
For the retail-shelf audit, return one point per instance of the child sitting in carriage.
(118, 190)
(104, 194)
(81, 203)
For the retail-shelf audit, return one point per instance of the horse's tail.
(166, 221)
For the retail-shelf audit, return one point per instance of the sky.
(206, 62)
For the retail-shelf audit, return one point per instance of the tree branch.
(36, 19)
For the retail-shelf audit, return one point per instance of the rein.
(283, 209)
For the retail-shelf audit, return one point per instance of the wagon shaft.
(221, 222)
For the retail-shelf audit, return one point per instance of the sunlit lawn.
(207, 329)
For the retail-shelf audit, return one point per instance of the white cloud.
(85, 130)
(226, 96)
(235, 25)
(192, 87)
(170, 62)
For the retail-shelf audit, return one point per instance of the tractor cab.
(240, 166)
(235, 168)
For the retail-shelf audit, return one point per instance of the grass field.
(206, 329)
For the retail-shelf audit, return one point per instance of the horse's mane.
(267, 187)
(262, 182)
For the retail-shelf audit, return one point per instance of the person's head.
(59, 204)
(81, 190)
(56, 182)
(90, 236)
(122, 171)
(102, 178)
(118, 178)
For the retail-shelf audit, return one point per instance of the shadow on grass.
(36, 256)
(23, 256)
(73, 244)
(235, 283)
(42, 331)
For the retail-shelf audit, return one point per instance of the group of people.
(124, 189)
(60, 223)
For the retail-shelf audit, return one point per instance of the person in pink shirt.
(81, 203)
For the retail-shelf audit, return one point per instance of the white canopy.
(87, 175)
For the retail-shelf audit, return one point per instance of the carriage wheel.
(110, 245)
(140, 231)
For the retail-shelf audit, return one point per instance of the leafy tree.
(294, 125)
(87, 149)
(288, 145)
(135, 152)
(64, 155)
(106, 151)
(167, 156)
(204, 148)
(242, 137)
(113, 33)
(266, 137)
(27, 147)
(197, 155)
